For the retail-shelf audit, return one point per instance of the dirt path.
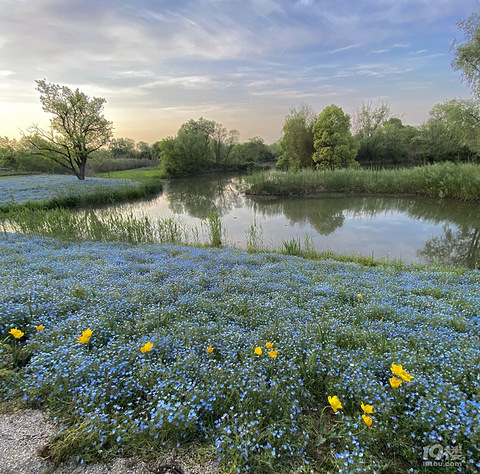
(24, 433)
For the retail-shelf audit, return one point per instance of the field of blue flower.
(22, 189)
(135, 347)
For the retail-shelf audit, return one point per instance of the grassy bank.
(446, 180)
(149, 346)
(144, 175)
(56, 191)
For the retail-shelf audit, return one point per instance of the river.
(414, 230)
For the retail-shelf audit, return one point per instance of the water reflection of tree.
(223, 193)
(326, 215)
(197, 197)
(455, 248)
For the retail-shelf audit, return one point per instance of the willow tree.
(77, 129)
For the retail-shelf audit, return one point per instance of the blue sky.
(242, 63)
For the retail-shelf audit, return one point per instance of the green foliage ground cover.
(201, 316)
(445, 180)
(143, 175)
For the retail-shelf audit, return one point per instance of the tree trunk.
(81, 168)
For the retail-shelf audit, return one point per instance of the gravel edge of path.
(24, 433)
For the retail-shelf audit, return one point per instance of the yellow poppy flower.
(368, 421)
(269, 345)
(272, 353)
(83, 339)
(395, 383)
(16, 333)
(367, 408)
(258, 351)
(335, 403)
(360, 297)
(147, 347)
(405, 376)
(396, 369)
(209, 349)
(40, 327)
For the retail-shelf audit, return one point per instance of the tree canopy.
(77, 129)
(335, 147)
(297, 139)
(467, 53)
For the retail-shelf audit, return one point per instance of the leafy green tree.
(368, 125)
(396, 141)
(8, 149)
(451, 133)
(193, 145)
(297, 139)
(143, 151)
(167, 152)
(248, 154)
(370, 118)
(463, 118)
(467, 53)
(77, 128)
(275, 149)
(335, 147)
(223, 141)
(122, 147)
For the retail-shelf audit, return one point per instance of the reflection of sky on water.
(392, 234)
(346, 225)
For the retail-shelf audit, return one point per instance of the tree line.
(203, 145)
(80, 141)
(376, 138)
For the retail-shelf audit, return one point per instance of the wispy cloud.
(209, 56)
(380, 51)
(344, 48)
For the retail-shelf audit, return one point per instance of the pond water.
(412, 229)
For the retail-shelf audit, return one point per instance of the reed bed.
(445, 180)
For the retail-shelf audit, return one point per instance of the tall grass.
(254, 237)
(446, 180)
(88, 225)
(92, 225)
(214, 229)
